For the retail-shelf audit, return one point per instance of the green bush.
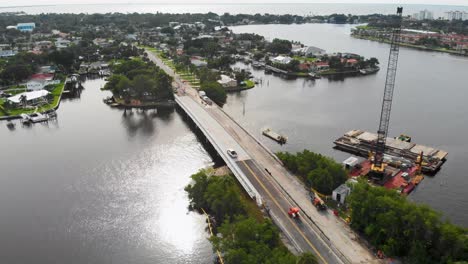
(317, 171)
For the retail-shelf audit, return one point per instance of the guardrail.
(246, 184)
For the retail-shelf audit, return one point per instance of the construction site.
(395, 163)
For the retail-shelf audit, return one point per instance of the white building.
(456, 15)
(31, 97)
(424, 15)
(309, 51)
(227, 82)
(25, 27)
(282, 59)
(340, 193)
(350, 162)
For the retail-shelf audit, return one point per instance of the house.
(43, 45)
(40, 80)
(61, 43)
(340, 193)
(31, 97)
(7, 53)
(198, 62)
(349, 62)
(309, 51)
(102, 42)
(227, 82)
(35, 85)
(314, 51)
(304, 66)
(282, 59)
(320, 66)
(26, 27)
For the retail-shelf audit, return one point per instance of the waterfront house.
(227, 82)
(281, 59)
(320, 66)
(32, 98)
(309, 51)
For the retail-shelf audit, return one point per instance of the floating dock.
(361, 142)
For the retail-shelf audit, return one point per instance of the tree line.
(405, 229)
(241, 237)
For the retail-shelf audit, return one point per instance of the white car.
(232, 153)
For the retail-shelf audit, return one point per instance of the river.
(429, 104)
(100, 186)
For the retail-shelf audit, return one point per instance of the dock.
(361, 143)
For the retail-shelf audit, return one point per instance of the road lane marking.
(287, 216)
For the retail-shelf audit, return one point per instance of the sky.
(47, 2)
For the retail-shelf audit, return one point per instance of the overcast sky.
(46, 2)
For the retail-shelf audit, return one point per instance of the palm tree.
(23, 100)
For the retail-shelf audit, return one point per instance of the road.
(320, 233)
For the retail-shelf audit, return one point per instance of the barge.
(361, 143)
(275, 136)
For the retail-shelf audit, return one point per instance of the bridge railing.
(246, 184)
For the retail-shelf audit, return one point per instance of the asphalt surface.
(298, 230)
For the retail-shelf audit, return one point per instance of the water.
(98, 186)
(272, 8)
(429, 104)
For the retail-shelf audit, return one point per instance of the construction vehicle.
(319, 203)
(377, 171)
(294, 212)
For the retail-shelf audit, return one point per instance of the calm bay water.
(98, 186)
(429, 104)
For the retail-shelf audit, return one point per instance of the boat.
(404, 138)
(275, 136)
(108, 100)
(11, 125)
(314, 75)
(369, 70)
(38, 117)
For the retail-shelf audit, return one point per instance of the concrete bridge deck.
(320, 233)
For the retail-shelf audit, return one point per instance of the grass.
(56, 92)
(184, 74)
(249, 84)
(306, 59)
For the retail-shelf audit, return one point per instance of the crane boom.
(379, 147)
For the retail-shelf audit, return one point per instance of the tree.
(168, 30)
(280, 46)
(214, 91)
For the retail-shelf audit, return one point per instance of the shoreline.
(8, 117)
(424, 48)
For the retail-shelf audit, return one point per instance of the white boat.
(38, 117)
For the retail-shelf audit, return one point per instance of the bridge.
(265, 179)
